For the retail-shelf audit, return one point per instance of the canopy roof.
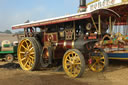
(56, 20)
(117, 6)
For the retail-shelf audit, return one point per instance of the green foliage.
(8, 32)
(20, 32)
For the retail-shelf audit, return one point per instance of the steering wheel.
(31, 33)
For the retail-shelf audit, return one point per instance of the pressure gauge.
(88, 26)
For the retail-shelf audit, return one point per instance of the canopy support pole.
(74, 27)
(110, 24)
(94, 23)
(99, 22)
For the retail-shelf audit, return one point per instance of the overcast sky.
(14, 12)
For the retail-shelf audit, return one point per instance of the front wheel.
(74, 63)
(98, 60)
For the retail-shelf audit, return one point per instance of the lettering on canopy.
(102, 4)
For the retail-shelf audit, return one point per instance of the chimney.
(82, 7)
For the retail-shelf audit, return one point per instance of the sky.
(14, 12)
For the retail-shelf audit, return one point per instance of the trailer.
(72, 40)
(8, 51)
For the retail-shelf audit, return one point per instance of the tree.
(8, 32)
(20, 32)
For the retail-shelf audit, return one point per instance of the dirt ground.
(11, 74)
(115, 74)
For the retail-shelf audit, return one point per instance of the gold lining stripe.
(56, 44)
(64, 43)
(72, 44)
(118, 58)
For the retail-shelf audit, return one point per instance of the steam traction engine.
(69, 40)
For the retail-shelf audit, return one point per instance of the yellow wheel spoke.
(26, 62)
(68, 64)
(76, 71)
(69, 61)
(31, 57)
(23, 59)
(102, 66)
(102, 62)
(31, 49)
(94, 64)
(29, 45)
(102, 58)
(76, 60)
(70, 68)
(30, 61)
(24, 47)
(22, 52)
(78, 67)
(32, 53)
(77, 63)
(69, 58)
(26, 43)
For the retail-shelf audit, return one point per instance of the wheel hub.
(9, 58)
(26, 53)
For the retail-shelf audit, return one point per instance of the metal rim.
(96, 61)
(72, 64)
(26, 54)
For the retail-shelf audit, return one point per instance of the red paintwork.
(61, 44)
(83, 7)
(73, 18)
(92, 37)
(122, 23)
(68, 44)
(52, 37)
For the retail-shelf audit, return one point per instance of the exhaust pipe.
(82, 7)
(82, 3)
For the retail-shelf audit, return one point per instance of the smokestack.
(82, 7)
(82, 3)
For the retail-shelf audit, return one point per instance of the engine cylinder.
(65, 44)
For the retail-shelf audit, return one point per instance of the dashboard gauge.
(88, 26)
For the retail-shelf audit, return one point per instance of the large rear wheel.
(98, 60)
(28, 54)
(74, 63)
